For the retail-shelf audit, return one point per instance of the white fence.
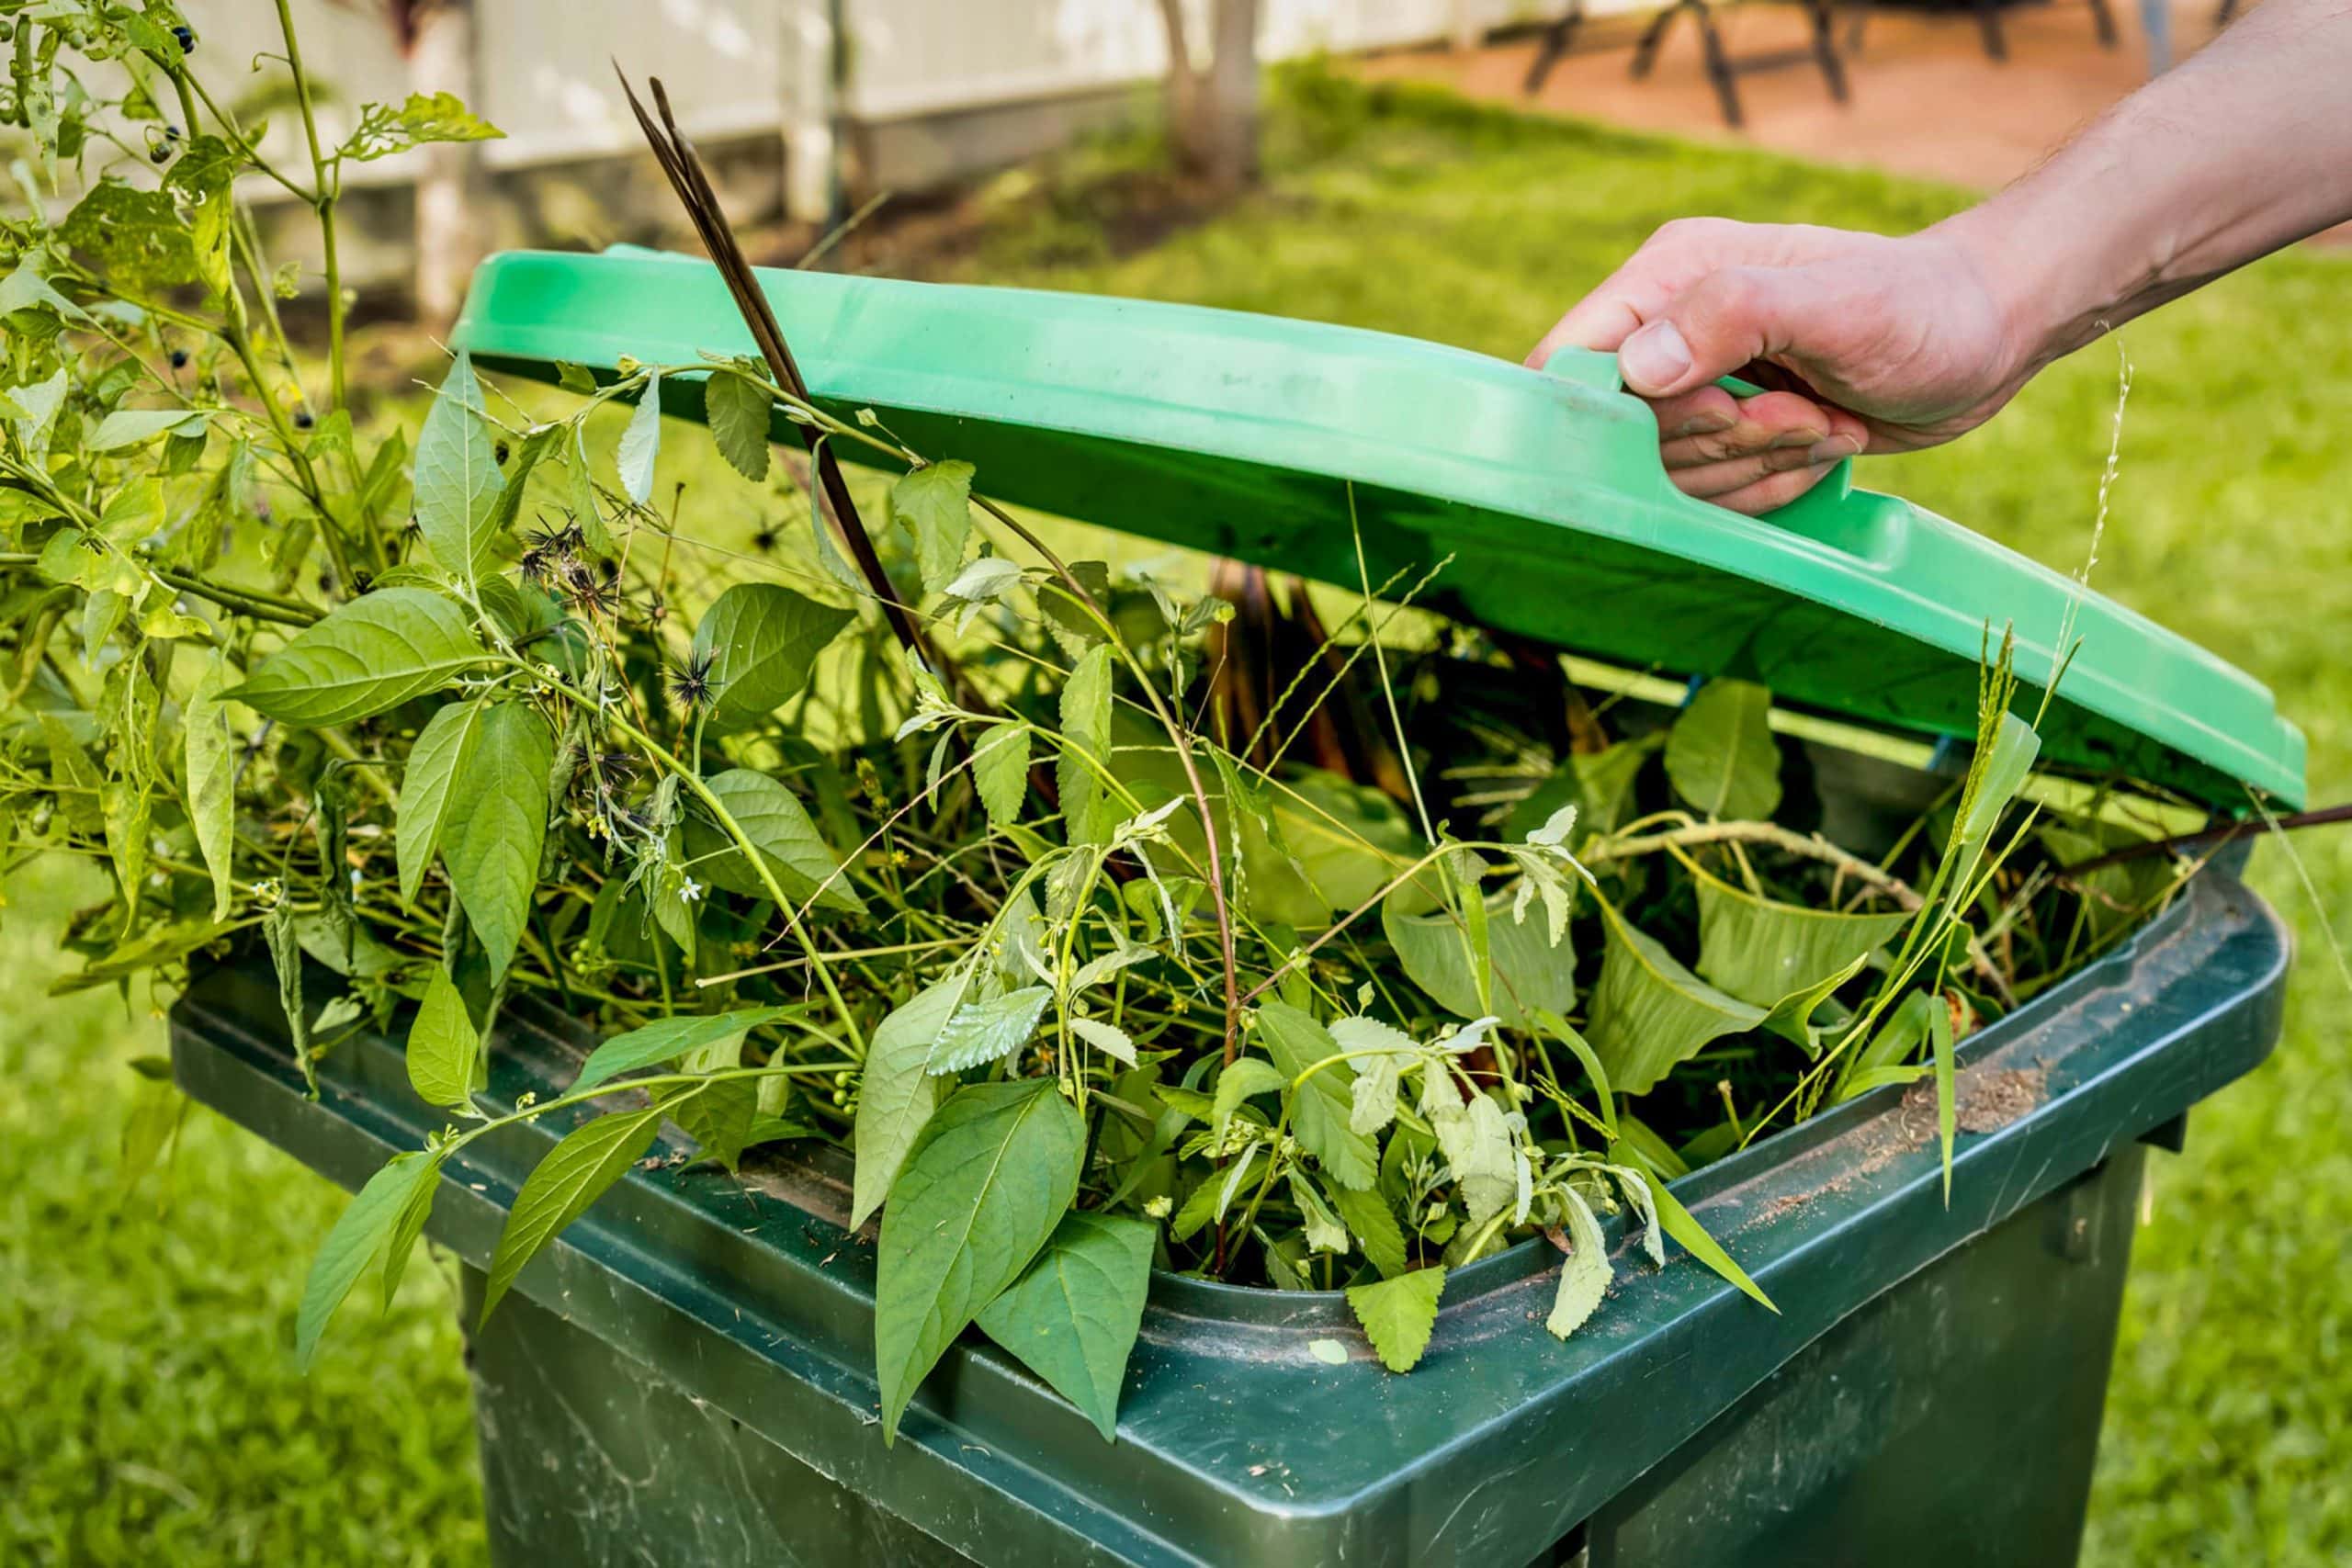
(541, 70)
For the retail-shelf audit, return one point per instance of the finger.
(1775, 419)
(1705, 410)
(1777, 490)
(1708, 480)
(1716, 326)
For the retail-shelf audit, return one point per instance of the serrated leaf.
(737, 411)
(1650, 1014)
(1585, 1273)
(457, 480)
(761, 641)
(386, 128)
(440, 757)
(1071, 1317)
(1321, 1108)
(1720, 754)
(445, 1061)
(896, 1092)
(560, 1188)
(357, 1238)
(982, 1189)
(779, 827)
(1001, 770)
(1086, 746)
(1475, 1136)
(665, 1040)
(981, 1032)
(497, 822)
(211, 763)
(934, 502)
(369, 655)
(1398, 1314)
(1374, 1224)
(642, 443)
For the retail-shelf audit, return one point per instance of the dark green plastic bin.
(685, 1376)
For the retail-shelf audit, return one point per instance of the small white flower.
(1159, 1208)
(689, 890)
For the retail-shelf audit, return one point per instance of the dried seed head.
(690, 681)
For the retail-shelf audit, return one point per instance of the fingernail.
(1780, 459)
(1714, 423)
(1653, 358)
(1833, 449)
(1796, 438)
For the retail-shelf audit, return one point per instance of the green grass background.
(153, 1412)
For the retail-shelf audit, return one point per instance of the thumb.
(1712, 328)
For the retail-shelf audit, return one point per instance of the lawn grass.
(154, 1413)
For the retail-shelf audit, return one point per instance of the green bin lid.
(1242, 434)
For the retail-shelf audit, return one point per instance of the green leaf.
(1000, 771)
(896, 1093)
(1530, 973)
(410, 1225)
(457, 481)
(1558, 1028)
(385, 129)
(718, 1117)
(1374, 1224)
(934, 502)
(761, 642)
(497, 824)
(1678, 1223)
(1585, 1273)
(1475, 1137)
(1321, 1108)
(537, 444)
(360, 1237)
(1761, 951)
(642, 443)
(981, 1033)
(1650, 1014)
(211, 763)
(737, 408)
(1997, 778)
(1599, 786)
(1071, 1317)
(1397, 1314)
(574, 1174)
(778, 825)
(665, 1040)
(983, 1189)
(445, 1060)
(1086, 734)
(1946, 1102)
(442, 755)
(1720, 754)
(1327, 845)
(373, 654)
(129, 427)
(1249, 1078)
(137, 238)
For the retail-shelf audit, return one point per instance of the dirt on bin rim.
(1987, 1099)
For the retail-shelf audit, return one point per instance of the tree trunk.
(1213, 113)
(451, 231)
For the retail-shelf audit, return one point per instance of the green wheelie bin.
(685, 1376)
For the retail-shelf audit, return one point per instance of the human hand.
(1868, 344)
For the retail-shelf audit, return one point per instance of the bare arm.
(1877, 344)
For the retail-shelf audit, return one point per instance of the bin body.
(685, 1375)
(1895, 1437)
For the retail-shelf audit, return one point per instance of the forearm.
(2245, 148)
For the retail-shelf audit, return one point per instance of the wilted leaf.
(211, 762)
(642, 443)
(386, 128)
(1586, 1272)
(1761, 951)
(1530, 973)
(1650, 1014)
(981, 1032)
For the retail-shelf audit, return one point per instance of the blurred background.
(1458, 170)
